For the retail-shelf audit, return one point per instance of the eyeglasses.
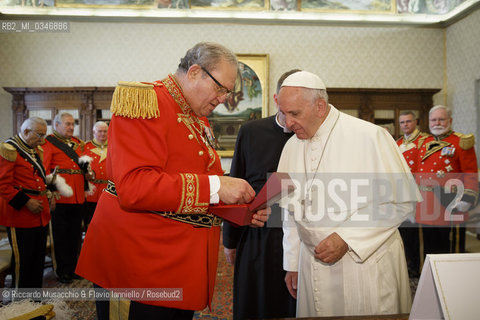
(221, 89)
(40, 135)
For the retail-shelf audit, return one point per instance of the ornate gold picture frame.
(248, 102)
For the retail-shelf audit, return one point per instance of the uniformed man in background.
(97, 150)
(24, 202)
(447, 175)
(409, 230)
(63, 150)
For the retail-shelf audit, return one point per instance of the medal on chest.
(448, 151)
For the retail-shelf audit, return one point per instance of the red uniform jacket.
(17, 173)
(409, 147)
(98, 153)
(53, 157)
(160, 164)
(443, 161)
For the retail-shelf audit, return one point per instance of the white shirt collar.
(285, 129)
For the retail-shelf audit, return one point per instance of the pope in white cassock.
(342, 251)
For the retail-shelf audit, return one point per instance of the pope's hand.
(235, 190)
(291, 279)
(331, 249)
(260, 217)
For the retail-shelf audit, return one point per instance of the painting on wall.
(427, 6)
(375, 6)
(348, 5)
(28, 3)
(283, 5)
(248, 102)
(230, 4)
(141, 4)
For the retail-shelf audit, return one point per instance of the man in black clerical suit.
(259, 289)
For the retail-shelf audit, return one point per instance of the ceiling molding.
(239, 17)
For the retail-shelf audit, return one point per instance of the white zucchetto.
(304, 79)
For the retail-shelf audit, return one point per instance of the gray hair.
(207, 55)
(99, 123)
(315, 94)
(59, 117)
(447, 109)
(28, 123)
(408, 113)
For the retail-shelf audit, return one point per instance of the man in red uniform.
(411, 136)
(409, 231)
(97, 150)
(24, 203)
(152, 227)
(448, 180)
(62, 150)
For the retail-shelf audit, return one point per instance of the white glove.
(462, 206)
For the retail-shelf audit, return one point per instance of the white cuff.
(214, 188)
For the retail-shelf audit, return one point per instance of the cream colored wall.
(99, 54)
(463, 68)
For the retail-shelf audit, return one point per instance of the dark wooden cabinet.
(383, 106)
(87, 104)
(91, 104)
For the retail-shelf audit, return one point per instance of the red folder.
(241, 214)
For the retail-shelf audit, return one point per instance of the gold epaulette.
(421, 140)
(135, 100)
(467, 141)
(8, 152)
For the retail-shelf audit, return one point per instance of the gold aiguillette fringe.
(135, 100)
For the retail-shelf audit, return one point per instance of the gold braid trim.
(135, 100)
(8, 152)
(75, 144)
(40, 152)
(422, 139)
(190, 195)
(437, 145)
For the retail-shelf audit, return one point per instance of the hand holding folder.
(242, 214)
